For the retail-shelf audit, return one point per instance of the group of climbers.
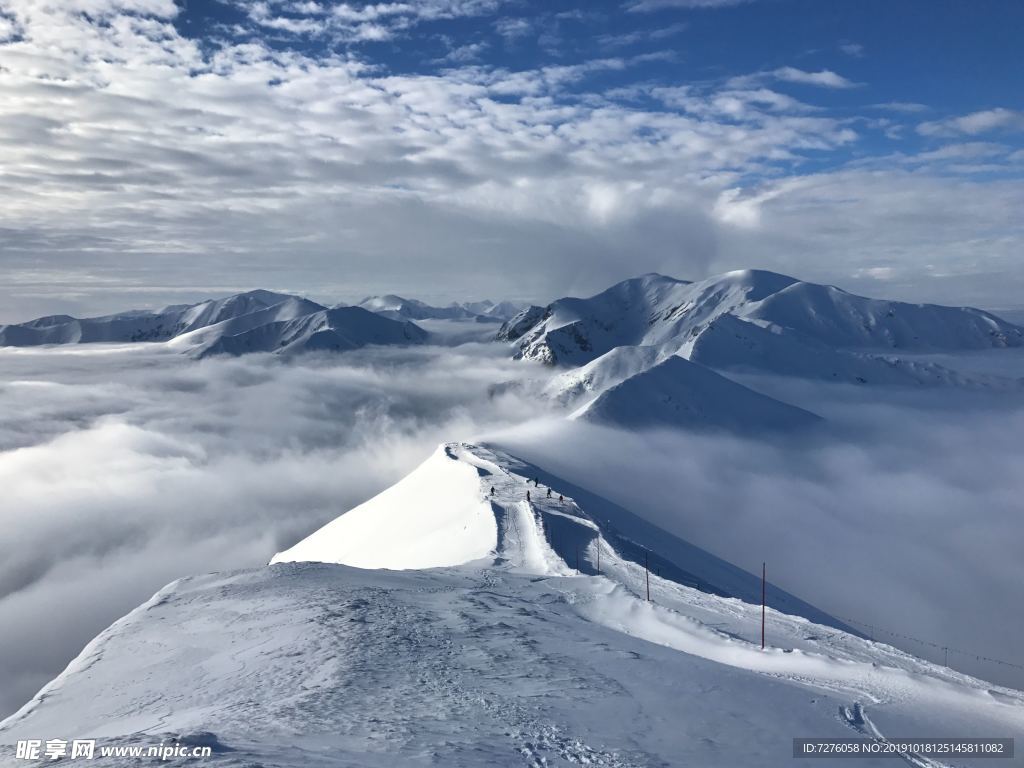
(536, 484)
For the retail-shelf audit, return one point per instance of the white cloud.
(460, 54)
(179, 167)
(985, 121)
(125, 470)
(513, 28)
(885, 488)
(906, 107)
(645, 6)
(825, 78)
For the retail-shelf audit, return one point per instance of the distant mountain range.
(641, 353)
(656, 310)
(256, 321)
(648, 351)
(398, 308)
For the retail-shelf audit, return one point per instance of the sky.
(154, 151)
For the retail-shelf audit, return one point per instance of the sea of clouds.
(125, 467)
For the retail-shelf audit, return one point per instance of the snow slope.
(338, 329)
(542, 652)
(730, 343)
(257, 321)
(609, 369)
(142, 325)
(434, 517)
(678, 393)
(291, 308)
(655, 310)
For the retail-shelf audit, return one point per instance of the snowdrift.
(435, 516)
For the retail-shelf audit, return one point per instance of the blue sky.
(160, 151)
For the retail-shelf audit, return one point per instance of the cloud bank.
(905, 516)
(280, 151)
(125, 468)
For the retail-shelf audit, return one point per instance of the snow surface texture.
(542, 652)
(841, 333)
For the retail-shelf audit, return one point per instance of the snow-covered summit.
(656, 310)
(334, 330)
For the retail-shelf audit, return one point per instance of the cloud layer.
(905, 517)
(126, 468)
(144, 165)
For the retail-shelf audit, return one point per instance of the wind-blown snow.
(436, 516)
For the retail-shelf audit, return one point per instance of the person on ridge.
(549, 493)
(527, 496)
(492, 490)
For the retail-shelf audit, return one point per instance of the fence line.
(946, 648)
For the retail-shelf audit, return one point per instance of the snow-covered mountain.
(257, 321)
(732, 344)
(534, 644)
(142, 325)
(335, 330)
(399, 308)
(655, 310)
(678, 393)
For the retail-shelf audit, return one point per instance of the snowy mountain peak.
(475, 503)
(653, 310)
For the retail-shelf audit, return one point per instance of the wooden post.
(762, 604)
(647, 576)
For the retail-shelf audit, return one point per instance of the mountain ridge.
(577, 624)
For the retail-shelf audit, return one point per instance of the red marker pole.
(762, 604)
